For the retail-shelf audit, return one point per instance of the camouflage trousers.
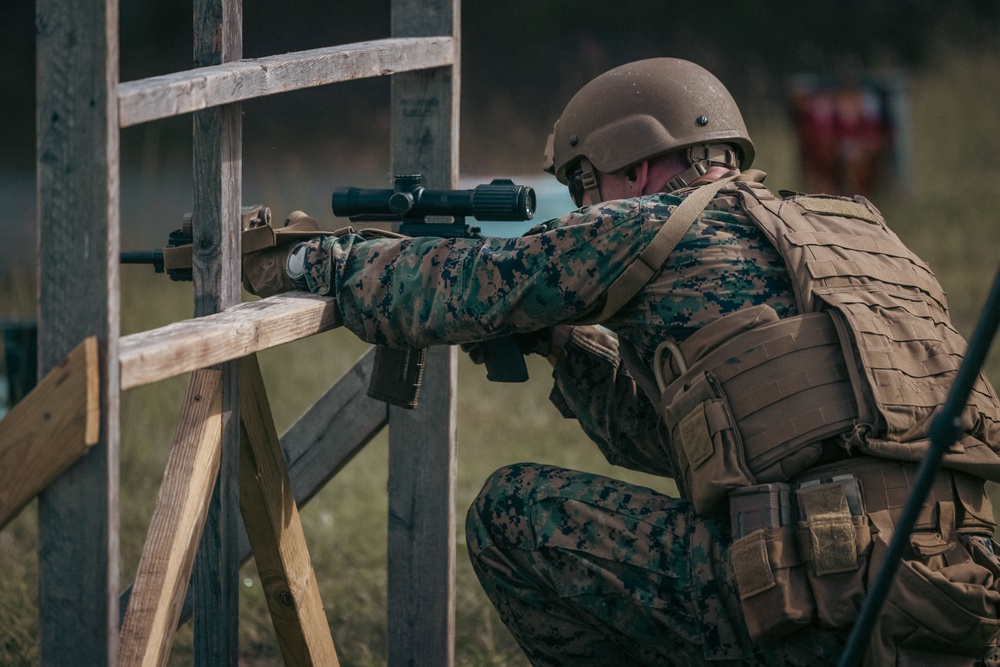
(587, 570)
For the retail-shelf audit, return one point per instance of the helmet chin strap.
(588, 177)
(702, 158)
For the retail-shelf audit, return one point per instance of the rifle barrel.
(142, 257)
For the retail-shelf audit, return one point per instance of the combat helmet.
(644, 109)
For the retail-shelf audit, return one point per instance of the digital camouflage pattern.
(427, 290)
(582, 568)
(594, 387)
(587, 570)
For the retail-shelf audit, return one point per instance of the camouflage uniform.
(583, 569)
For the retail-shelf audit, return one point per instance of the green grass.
(948, 217)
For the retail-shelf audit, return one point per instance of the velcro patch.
(841, 207)
(751, 566)
(694, 436)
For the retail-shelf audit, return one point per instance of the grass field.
(949, 217)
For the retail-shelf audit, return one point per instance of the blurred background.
(521, 62)
(896, 100)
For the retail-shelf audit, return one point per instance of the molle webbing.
(836, 242)
(886, 485)
(786, 385)
(892, 316)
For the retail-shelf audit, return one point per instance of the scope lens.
(529, 203)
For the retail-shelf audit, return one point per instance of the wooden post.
(421, 577)
(218, 38)
(78, 220)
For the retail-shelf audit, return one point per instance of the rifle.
(397, 373)
(175, 258)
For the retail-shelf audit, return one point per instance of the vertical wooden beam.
(218, 38)
(78, 221)
(421, 577)
(425, 103)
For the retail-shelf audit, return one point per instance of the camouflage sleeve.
(415, 292)
(592, 387)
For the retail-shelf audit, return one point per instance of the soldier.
(780, 358)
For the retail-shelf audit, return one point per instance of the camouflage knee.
(499, 513)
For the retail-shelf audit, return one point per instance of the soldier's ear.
(638, 176)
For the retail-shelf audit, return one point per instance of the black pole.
(944, 430)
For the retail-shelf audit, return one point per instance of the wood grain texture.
(425, 133)
(321, 442)
(50, 428)
(240, 330)
(78, 245)
(272, 524)
(175, 529)
(218, 184)
(170, 95)
(422, 468)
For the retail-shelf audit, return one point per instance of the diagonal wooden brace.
(272, 522)
(50, 428)
(176, 527)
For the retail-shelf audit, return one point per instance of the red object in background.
(848, 135)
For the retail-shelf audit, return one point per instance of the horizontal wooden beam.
(240, 330)
(174, 94)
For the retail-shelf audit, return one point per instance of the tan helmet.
(643, 109)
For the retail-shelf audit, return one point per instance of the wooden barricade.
(225, 425)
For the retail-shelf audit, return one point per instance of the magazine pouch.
(765, 568)
(943, 607)
(835, 542)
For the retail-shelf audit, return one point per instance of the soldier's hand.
(265, 272)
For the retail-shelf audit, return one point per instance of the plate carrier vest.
(751, 398)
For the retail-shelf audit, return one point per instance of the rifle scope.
(499, 200)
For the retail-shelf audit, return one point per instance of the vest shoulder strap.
(648, 263)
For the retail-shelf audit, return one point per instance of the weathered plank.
(170, 95)
(421, 576)
(272, 524)
(239, 330)
(50, 428)
(321, 442)
(78, 231)
(175, 529)
(218, 184)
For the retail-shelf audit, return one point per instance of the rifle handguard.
(258, 234)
